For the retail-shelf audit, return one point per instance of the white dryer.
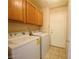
(44, 44)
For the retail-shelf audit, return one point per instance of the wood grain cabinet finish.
(15, 10)
(38, 17)
(9, 9)
(24, 11)
(30, 14)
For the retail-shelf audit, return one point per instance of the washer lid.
(17, 42)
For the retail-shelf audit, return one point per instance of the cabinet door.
(38, 17)
(15, 10)
(9, 9)
(30, 13)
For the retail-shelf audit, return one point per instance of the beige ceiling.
(55, 3)
(50, 3)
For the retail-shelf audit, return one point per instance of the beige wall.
(69, 31)
(17, 26)
(45, 27)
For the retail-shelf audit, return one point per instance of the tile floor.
(56, 53)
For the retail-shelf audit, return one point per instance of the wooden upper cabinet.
(30, 14)
(15, 10)
(9, 9)
(38, 17)
(24, 11)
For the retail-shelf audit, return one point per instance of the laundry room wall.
(46, 20)
(17, 27)
(69, 31)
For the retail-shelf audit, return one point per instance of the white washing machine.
(44, 43)
(23, 46)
